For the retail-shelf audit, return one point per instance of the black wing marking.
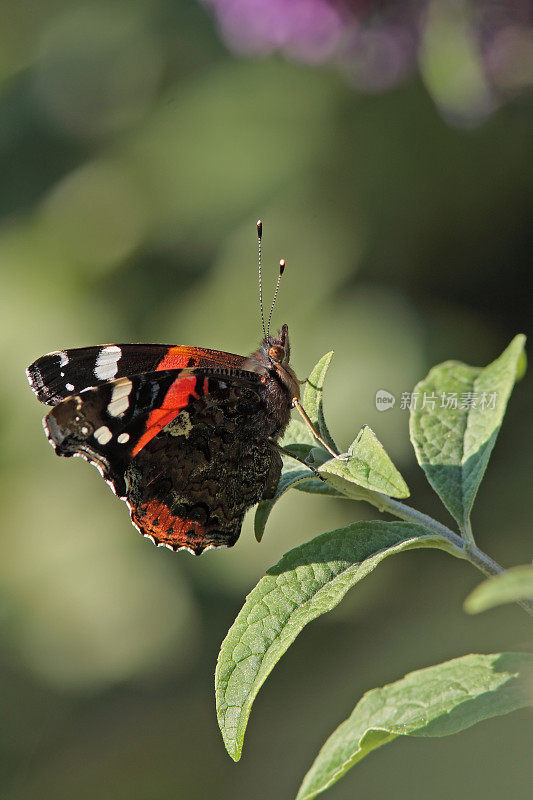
(191, 482)
(58, 375)
(109, 425)
(191, 491)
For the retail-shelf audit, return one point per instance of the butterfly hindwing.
(190, 485)
(179, 446)
(58, 375)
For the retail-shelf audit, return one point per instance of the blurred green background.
(137, 154)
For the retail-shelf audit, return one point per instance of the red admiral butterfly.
(186, 436)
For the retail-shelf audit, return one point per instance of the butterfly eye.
(276, 353)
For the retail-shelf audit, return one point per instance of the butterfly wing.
(179, 446)
(58, 375)
(191, 485)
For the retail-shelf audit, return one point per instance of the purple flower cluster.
(504, 31)
(375, 47)
(377, 43)
(309, 30)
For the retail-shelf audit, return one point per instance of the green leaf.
(368, 467)
(308, 581)
(316, 486)
(521, 367)
(453, 445)
(299, 442)
(312, 398)
(514, 584)
(299, 451)
(436, 701)
(297, 432)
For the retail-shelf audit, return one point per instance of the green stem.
(468, 536)
(483, 562)
(405, 512)
(459, 547)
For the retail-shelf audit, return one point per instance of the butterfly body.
(185, 435)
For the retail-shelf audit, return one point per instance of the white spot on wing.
(119, 399)
(103, 435)
(122, 438)
(107, 362)
(69, 387)
(63, 358)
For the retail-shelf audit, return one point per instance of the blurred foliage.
(136, 156)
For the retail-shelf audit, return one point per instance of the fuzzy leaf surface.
(514, 584)
(312, 398)
(307, 582)
(368, 467)
(297, 432)
(435, 701)
(453, 445)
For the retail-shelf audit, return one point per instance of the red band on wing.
(176, 398)
(156, 520)
(181, 356)
(178, 357)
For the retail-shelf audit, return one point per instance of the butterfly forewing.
(58, 375)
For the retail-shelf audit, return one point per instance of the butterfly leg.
(285, 452)
(296, 404)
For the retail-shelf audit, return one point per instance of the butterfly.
(186, 436)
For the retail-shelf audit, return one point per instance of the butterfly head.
(277, 348)
(274, 354)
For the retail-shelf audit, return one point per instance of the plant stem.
(461, 548)
(405, 512)
(483, 562)
(468, 536)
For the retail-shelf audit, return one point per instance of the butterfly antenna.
(281, 271)
(259, 235)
